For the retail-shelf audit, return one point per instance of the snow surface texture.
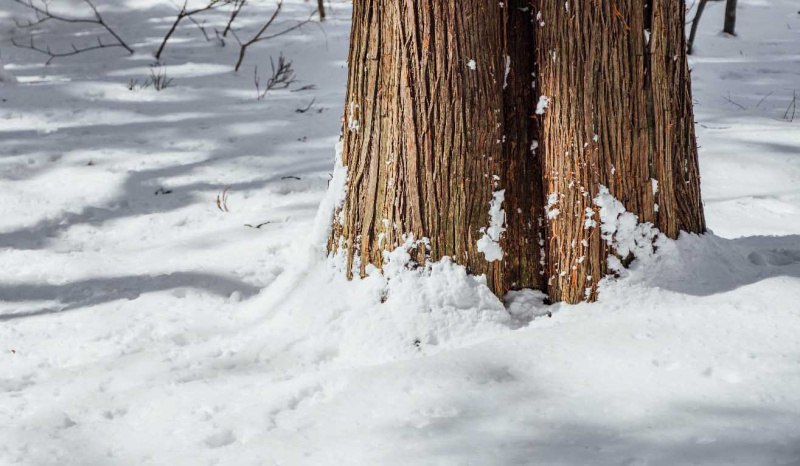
(5, 76)
(140, 324)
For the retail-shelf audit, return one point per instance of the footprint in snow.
(220, 439)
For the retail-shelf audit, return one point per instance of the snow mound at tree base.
(400, 313)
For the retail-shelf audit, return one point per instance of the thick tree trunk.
(446, 140)
(437, 128)
(619, 115)
(730, 17)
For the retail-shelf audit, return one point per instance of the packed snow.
(165, 297)
(489, 243)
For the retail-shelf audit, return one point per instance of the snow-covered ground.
(141, 324)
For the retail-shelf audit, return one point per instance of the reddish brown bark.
(440, 116)
(620, 116)
(434, 126)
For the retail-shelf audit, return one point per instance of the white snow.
(472, 65)
(489, 243)
(542, 104)
(507, 71)
(621, 228)
(6, 77)
(140, 324)
(550, 209)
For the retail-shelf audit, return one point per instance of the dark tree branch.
(260, 35)
(695, 22)
(46, 50)
(237, 8)
(282, 76)
(43, 14)
(185, 12)
(201, 27)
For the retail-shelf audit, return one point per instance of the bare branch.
(260, 35)
(185, 12)
(46, 50)
(791, 110)
(282, 76)
(43, 14)
(202, 28)
(237, 8)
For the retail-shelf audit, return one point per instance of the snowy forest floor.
(141, 324)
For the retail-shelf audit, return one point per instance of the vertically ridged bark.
(619, 115)
(675, 145)
(437, 121)
(440, 118)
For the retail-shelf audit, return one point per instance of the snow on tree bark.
(619, 114)
(437, 121)
(445, 137)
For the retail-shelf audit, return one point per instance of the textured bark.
(440, 116)
(619, 115)
(424, 135)
(524, 263)
(674, 157)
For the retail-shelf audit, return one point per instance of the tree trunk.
(730, 17)
(321, 9)
(619, 114)
(701, 5)
(446, 140)
(436, 130)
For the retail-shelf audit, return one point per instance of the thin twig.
(259, 36)
(53, 55)
(44, 14)
(237, 8)
(734, 103)
(763, 99)
(792, 106)
(282, 76)
(307, 107)
(201, 28)
(186, 12)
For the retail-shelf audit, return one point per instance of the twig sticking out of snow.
(282, 76)
(791, 109)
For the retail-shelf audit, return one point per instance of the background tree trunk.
(619, 115)
(437, 122)
(730, 17)
(321, 9)
(701, 5)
